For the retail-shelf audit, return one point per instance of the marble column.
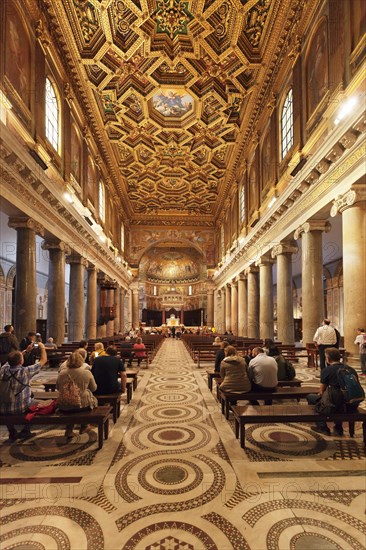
(222, 310)
(210, 308)
(352, 206)
(91, 303)
(110, 309)
(117, 318)
(102, 328)
(76, 297)
(266, 324)
(234, 307)
(216, 309)
(253, 301)
(25, 277)
(135, 306)
(285, 307)
(227, 320)
(312, 276)
(242, 306)
(56, 289)
(122, 310)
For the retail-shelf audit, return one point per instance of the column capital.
(264, 260)
(234, 282)
(76, 259)
(356, 194)
(312, 225)
(285, 248)
(241, 277)
(23, 222)
(55, 244)
(91, 267)
(251, 269)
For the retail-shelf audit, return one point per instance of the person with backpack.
(361, 341)
(76, 386)
(15, 376)
(8, 343)
(332, 387)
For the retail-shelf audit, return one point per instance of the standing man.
(324, 337)
(361, 341)
(8, 343)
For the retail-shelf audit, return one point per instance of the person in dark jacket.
(8, 343)
(285, 370)
(106, 371)
(328, 377)
(220, 355)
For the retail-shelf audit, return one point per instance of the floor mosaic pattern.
(172, 476)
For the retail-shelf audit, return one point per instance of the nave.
(173, 476)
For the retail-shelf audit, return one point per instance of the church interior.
(183, 168)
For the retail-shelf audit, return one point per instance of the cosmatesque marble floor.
(172, 476)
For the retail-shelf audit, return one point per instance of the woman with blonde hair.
(98, 351)
(75, 385)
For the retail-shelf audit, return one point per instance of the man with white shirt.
(361, 342)
(262, 371)
(324, 337)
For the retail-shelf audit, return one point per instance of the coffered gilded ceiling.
(173, 84)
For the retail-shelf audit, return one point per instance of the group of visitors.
(81, 377)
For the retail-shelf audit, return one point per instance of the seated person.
(84, 380)
(267, 344)
(262, 371)
(106, 371)
(139, 351)
(50, 343)
(249, 355)
(285, 370)
(328, 377)
(234, 372)
(217, 341)
(220, 355)
(98, 351)
(84, 344)
(126, 350)
(20, 378)
(83, 354)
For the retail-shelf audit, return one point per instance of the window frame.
(101, 203)
(56, 122)
(287, 124)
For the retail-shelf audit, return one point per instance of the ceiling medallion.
(172, 17)
(172, 102)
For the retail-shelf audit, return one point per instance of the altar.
(173, 321)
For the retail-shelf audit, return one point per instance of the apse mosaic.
(173, 86)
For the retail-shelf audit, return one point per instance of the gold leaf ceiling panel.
(173, 87)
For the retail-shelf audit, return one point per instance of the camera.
(35, 345)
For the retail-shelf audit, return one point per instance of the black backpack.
(5, 345)
(353, 392)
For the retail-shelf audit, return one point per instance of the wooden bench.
(292, 413)
(113, 399)
(280, 393)
(98, 417)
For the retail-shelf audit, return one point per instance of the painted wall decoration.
(317, 68)
(18, 54)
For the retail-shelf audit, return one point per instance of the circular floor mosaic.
(186, 439)
(170, 477)
(290, 442)
(171, 412)
(153, 398)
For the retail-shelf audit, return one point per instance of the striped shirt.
(20, 378)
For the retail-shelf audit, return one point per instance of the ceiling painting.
(174, 85)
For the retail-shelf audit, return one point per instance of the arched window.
(242, 204)
(101, 201)
(287, 125)
(190, 292)
(222, 241)
(52, 116)
(155, 291)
